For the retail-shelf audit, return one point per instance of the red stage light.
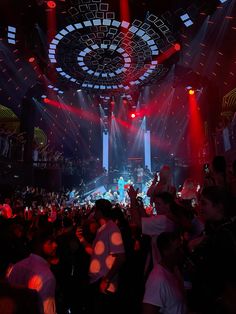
(133, 115)
(51, 4)
(177, 47)
(46, 100)
(31, 59)
(191, 92)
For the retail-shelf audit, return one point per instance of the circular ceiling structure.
(99, 46)
(107, 54)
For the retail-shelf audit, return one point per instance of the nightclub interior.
(117, 129)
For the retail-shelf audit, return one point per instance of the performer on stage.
(121, 189)
(140, 172)
(108, 196)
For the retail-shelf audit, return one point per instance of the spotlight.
(133, 115)
(51, 4)
(191, 92)
(177, 47)
(79, 90)
(31, 59)
(46, 100)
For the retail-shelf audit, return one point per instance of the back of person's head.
(104, 206)
(219, 164)
(177, 210)
(43, 221)
(165, 240)
(218, 197)
(165, 174)
(118, 216)
(40, 237)
(166, 197)
(67, 222)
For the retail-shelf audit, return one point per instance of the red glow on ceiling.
(84, 114)
(51, 4)
(196, 134)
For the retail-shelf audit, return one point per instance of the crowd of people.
(45, 156)
(176, 255)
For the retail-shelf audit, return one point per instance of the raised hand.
(132, 192)
(155, 177)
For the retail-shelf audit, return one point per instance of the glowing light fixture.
(31, 59)
(186, 19)
(191, 92)
(51, 4)
(11, 35)
(113, 47)
(177, 47)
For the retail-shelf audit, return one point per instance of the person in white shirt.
(164, 290)
(166, 220)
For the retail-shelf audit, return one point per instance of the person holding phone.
(163, 185)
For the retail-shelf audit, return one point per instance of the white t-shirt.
(154, 226)
(164, 289)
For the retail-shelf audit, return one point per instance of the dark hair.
(218, 196)
(166, 197)
(104, 206)
(39, 238)
(67, 222)
(165, 239)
